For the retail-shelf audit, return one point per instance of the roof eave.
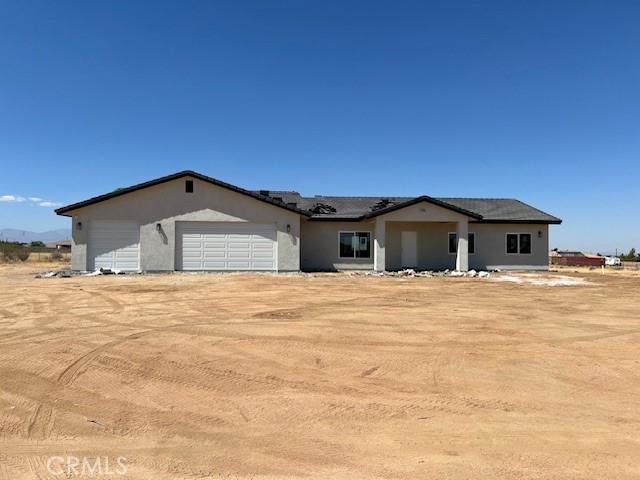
(337, 218)
(427, 199)
(556, 221)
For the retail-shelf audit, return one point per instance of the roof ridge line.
(174, 176)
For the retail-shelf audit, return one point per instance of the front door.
(409, 249)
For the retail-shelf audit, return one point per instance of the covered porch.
(424, 236)
(421, 245)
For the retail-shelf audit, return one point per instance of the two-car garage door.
(225, 246)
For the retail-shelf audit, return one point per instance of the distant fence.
(577, 261)
(591, 262)
(21, 253)
(630, 265)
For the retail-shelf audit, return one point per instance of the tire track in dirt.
(37, 468)
(339, 411)
(49, 334)
(41, 422)
(225, 380)
(589, 338)
(283, 314)
(442, 404)
(71, 372)
(448, 391)
(116, 306)
(205, 378)
(11, 425)
(37, 306)
(448, 401)
(7, 314)
(370, 371)
(241, 412)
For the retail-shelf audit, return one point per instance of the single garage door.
(114, 245)
(226, 246)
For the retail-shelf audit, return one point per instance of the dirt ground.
(334, 376)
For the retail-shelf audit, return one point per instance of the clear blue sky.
(536, 100)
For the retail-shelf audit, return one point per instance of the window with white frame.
(453, 243)
(519, 243)
(355, 244)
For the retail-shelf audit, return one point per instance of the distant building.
(63, 246)
(575, 259)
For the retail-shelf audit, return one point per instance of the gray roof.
(503, 210)
(494, 210)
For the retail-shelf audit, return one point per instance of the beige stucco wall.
(490, 246)
(423, 212)
(320, 247)
(168, 203)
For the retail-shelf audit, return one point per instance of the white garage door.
(114, 245)
(226, 246)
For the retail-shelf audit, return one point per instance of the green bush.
(23, 254)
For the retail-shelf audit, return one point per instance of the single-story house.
(188, 221)
(63, 246)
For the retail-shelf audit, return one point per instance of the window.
(525, 243)
(188, 186)
(453, 243)
(355, 244)
(519, 243)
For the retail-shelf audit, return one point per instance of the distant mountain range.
(25, 236)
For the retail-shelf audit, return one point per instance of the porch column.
(462, 256)
(378, 245)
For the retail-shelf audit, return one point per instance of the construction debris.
(104, 271)
(407, 272)
(51, 274)
(410, 272)
(110, 271)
